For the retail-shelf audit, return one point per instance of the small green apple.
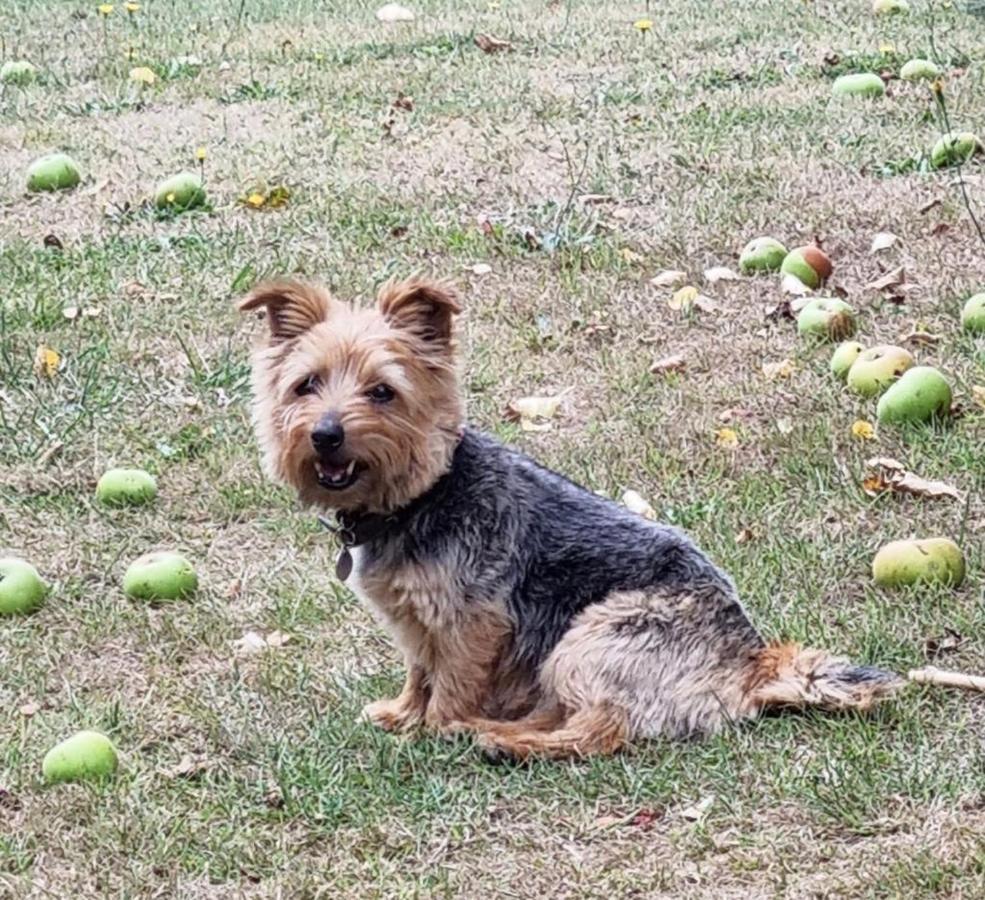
(809, 264)
(21, 587)
(844, 357)
(126, 487)
(827, 317)
(161, 575)
(85, 755)
(973, 314)
(920, 394)
(17, 71)
(890, 7)
(180, 192)
(862, 84)
(934, 560)
(762, 254)
(954, 148)
(877, 368)
(919, 70)
(54, 172)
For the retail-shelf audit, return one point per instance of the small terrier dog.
(543, 618)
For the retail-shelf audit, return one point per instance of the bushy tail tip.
(791, 675)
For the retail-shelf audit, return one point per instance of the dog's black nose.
(328, 434)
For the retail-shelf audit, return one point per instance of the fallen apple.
(161, 575)
(861, 84)
(954, 148)
(930, 560)
(126, 487)
(17, 71)
(809, 264)
(53, 172)
(919, 70)
(890, 7)
(762, 254)
(827, 317)
(180, 192)
(973, 314)
(21, 587)
(87, 754)
(844, 357)
(920, 394)
(877, 368)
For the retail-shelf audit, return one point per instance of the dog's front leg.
(406, 710)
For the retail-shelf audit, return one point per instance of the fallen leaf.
(890, 280)
(727, 437)
(71, 313)
(635, 502)
(943, 643)
(916, 336)
(668, 278)
(673, 363)
(53, 242)
(745, 536)
(403, 102)
(784, 426)
(978, 395)
(489, 44)
(928, 206)
(683, 298)
(883, 241)
(791, 284)
(480, 269)
(29, 709)
(277, 639)
(533, 413)
(629, 256)
(188, 767)
(394, 12)
(605, 822)
(698, 810)
(706, 304)
(720, 273)
(863, 430)
(46, 361)
(252, 642)
(90, 312)
(646, 818)
(143, 75)
(889, 475)
(783, 369)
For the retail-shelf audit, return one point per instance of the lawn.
(571, 168)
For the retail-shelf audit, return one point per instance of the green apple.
(862, 84)
(954, 148)
(920, 394)
(762, 254)
(919, 70)
(180, 192)
(877, 368)
(17, 71)
(844, 357)
(161, 575)
(828, 318)
(973, 314)
(53, 172)
(21, 587)
(890, 7)
(87, 754)
(935, 560)
(126, 487)
(809, 264)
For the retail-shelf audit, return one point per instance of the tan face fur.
(357, 409)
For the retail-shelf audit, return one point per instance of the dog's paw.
(391, 715)
(494, 752)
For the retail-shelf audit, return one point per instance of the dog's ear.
(424, 308)
(292, 306)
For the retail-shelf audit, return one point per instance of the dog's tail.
(793, 676)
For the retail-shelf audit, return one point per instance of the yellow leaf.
(46, 361)
(727, 437)
(636, 503)
(278, 197)
(105, 8)
(643, 24)
(783, 369)
(256, 200)
(200, 154)
(533, 413)
(863, 430)
(887, 48)
(142, 75)
(683, 298)
(132, 7)
(629, 256)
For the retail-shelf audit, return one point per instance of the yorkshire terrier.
(543, 618)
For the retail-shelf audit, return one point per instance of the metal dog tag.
(343, 565)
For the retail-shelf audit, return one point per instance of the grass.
(710, 129)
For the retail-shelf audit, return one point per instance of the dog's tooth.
(350, 467)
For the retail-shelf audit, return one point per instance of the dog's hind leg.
(599, 729)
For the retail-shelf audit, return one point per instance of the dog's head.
(358, 409)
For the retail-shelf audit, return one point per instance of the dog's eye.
(308, 386)
(382, 393)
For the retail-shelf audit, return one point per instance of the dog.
(540, 617)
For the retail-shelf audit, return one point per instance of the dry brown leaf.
(745, 536)
(706, 304)
(699, 810)
(636, 503)
(480, 269)
(978, 395)
(673, 363)
(188, 767)
(943, 643)
(30, 709)
(46, 361)
(792, 285)
(720, 273)
(891, 279)
(489, 44)
(883, 241)
(533, 413)
(668, 278)
(783, 369)
(890, 475)
(917, 336)
(252, 642)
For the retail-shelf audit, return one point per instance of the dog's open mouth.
(337, 477)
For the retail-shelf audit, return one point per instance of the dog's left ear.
(424, 308)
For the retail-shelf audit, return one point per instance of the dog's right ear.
(292, 306)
